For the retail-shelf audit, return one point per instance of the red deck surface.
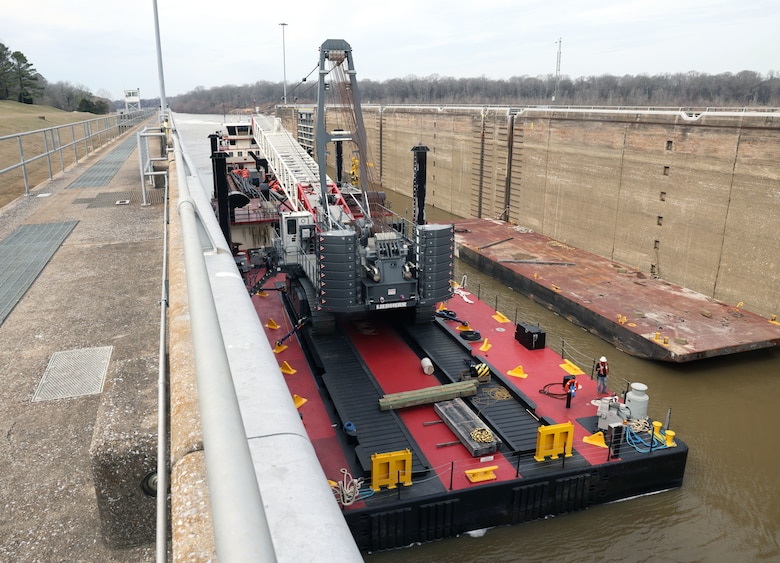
(676, 323)
(542, 367)
(397, 368)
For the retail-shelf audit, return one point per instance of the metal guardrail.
(68, 143)
(145, 158)
(241, 530)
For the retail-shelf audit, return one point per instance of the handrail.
(91, 133)
(241, 529)
(162, 401)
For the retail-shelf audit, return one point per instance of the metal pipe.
(241, 530)
(162, 402)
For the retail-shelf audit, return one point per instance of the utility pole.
(163, 101)
(557, 70)
(284, 65)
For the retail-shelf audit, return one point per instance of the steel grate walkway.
(102, 172)
(23, 255)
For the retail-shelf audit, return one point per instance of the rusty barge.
(640, 315)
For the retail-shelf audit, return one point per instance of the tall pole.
(284, 64)
(163, 101)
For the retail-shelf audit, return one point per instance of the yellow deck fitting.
(287, 368)
(485, 346)
(596, 439)
(279, 347)
(501, 318)
(670, 443)
(570, 368)
(481, 474)
(554, 440)
(464, 327)
(299, 401)
(442, 306)
(262, 293)
(391, 469)
(272, 324)
(517, 372)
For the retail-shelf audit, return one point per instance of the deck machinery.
(342, 252)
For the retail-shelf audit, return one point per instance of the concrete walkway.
(100, 290)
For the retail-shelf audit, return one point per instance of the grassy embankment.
(18, 118)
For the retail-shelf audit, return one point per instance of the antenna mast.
(557, 70)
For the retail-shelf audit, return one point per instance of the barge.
(431, 414)
(644, 316)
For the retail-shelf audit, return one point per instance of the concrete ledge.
(191, 511)
(124, 451)
(192, 528)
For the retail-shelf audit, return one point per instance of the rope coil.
(483, 435)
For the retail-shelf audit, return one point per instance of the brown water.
(728, 508)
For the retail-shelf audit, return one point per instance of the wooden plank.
(428, 395)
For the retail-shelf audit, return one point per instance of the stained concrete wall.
(693, 198)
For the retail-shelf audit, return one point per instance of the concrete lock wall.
(693, 198)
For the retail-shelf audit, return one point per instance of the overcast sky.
(108, 46)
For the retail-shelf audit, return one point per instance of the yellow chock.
(463, 327)
(570, 368)
(485, 346)
(501, 318)
(596, 439)
(262, 293)
(272, 324)
(517, 372)
(279, 347)
(481, 474)
(773, 320)
(442, 306)
(299, 401)
(287, 368)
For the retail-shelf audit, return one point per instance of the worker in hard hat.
(602, 371)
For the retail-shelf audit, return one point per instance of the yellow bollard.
(657, 429)
(670, 439)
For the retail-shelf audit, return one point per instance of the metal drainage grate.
(74, 373)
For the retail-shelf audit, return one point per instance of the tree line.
(20, 82)
(691, 89)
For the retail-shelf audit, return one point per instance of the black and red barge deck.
(338, 380)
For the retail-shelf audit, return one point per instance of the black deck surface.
(505, 411)
(355, 394)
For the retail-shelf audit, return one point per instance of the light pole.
(284, 65)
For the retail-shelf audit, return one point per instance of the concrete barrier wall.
(192, 528)
(693, 199)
